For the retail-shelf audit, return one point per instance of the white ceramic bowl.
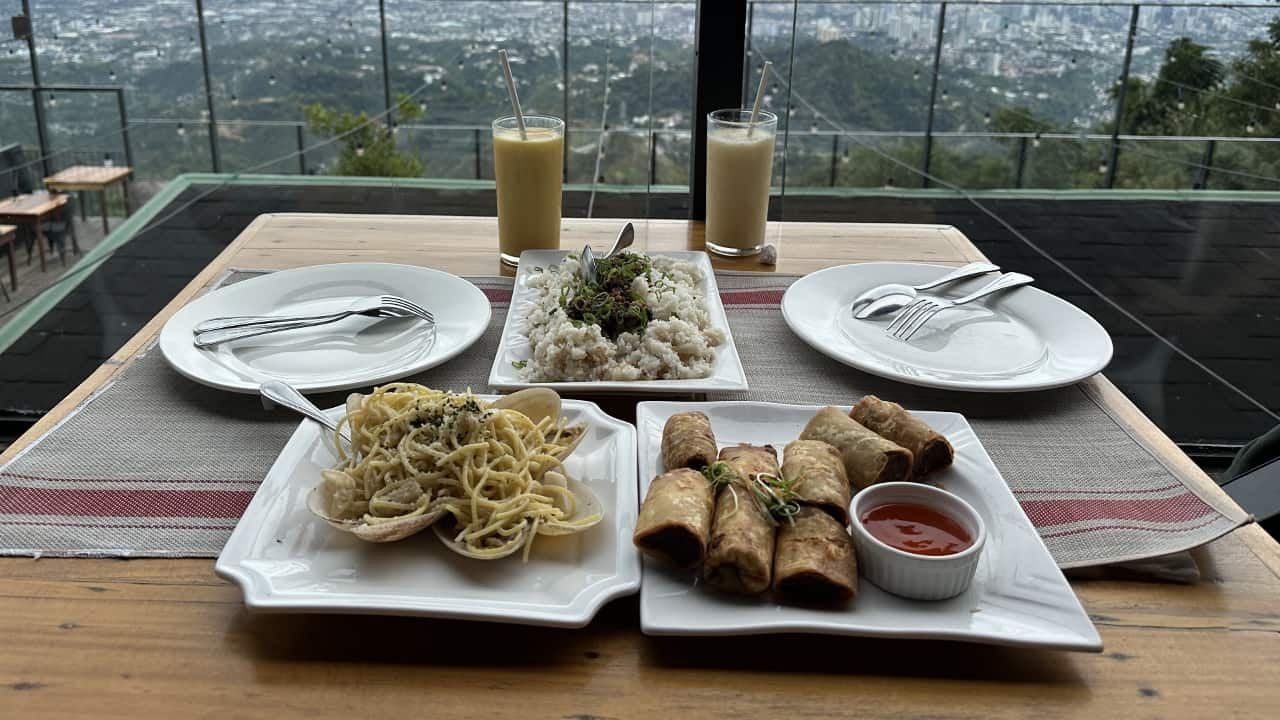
(920, 577)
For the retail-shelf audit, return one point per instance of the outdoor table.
(9, 233)
(93, 178)
(161, 638)
(33, 209)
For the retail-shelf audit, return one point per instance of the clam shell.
(446, 532)
(588, 504)
(389, 531)
(533, 403)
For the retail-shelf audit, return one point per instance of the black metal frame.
(719, 59)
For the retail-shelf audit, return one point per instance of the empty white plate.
(1023, 339)
(353, 352)
(1018, 596)
(286, 559)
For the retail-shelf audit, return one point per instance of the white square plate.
(1018, 597)
(288, 560)
(726, 373)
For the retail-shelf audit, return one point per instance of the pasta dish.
(419, 454)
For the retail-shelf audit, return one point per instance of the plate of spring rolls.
(744, 526)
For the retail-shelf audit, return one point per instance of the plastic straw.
(515, 99)
(755, 109)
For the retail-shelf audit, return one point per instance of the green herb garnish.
(719, 474)
(776, 495)
(610, 303)
(520, 364)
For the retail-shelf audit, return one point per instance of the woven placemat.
(156, 465)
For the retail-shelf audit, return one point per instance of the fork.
(922, 310)
(248, 326)
(374, 306)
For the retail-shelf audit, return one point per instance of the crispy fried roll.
(814, 560)
(740, 555)
(817, 476)
(675, 518)
(868, 458)
(687, 441)
(929, 449)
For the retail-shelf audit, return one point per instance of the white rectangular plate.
(726, 373)
(1018, 597)
(288, 560)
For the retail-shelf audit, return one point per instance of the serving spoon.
(625, 238)
(892, 297)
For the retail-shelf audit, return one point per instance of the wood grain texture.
(166, 638)
(31, 207)
(87, 177)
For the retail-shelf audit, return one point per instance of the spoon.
(276, 392)
(891, 297)
(625, 238)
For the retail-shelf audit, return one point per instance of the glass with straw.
(739, 167)
(528, 164)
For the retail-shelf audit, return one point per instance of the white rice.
(679, 341)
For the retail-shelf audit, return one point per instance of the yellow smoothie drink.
(527, 173)
(739, 166)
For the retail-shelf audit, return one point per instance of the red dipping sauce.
(915, 528)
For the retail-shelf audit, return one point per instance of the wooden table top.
(7, 230)
(87, 177)
(162, 638)
(32, 206)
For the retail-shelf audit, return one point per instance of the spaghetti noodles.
(498, 474)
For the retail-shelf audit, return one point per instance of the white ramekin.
(920, 577)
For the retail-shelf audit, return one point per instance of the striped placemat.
(156, 465)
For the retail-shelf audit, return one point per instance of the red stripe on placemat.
(1180, 508)
(220, 528)
(43, 478)
(123, 503)
(1081, 531)
(497, 295)
(751, 297)
(1162, 488)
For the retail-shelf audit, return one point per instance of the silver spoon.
(891, 297)
(625, 238)
(276, 392)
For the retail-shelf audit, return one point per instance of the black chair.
(16, 179)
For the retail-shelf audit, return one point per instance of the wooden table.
(8, 234)
(166, 638)
(92, 178)
(33, 209)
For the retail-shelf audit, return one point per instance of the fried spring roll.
(814, 561)
(675, 518)
(740, 555)
(868, 458)
(817, 477)
(687, 441)
(930, 450)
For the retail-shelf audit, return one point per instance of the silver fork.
(373, 306)
(909, 322)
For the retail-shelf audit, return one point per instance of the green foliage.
(366, 147)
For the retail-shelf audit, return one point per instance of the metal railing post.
(1206, 164)
(386, 65)
(37, 102)
(124, 128)
(564, 83)
(746, 55)
(302, 148)
(214, 155)
(835, 151)
(1121, 96)
(653, 158)
(933, 95)
(476, 135)
(1022, 162)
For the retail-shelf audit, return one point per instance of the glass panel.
(1245, 165)
(1063, 162)
(164, 149)
(975, 162)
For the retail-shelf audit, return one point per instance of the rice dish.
(647, 320)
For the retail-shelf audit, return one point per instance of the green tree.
(366, 147)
